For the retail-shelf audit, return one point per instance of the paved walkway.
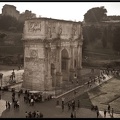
(49, 108)
(109, 115)
(2, 106)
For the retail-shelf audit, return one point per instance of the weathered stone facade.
(52, 52)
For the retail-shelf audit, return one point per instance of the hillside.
(11, 44)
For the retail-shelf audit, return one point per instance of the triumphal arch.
(52, 52)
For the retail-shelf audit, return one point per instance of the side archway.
(65, 64)
(53, 74)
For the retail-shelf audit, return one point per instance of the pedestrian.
(112, 112)
(96, 108)
(41, 115)
(104, 113)
(13, 99)
(17, 104)
(109, 108)
(77, 81)
(63, 100)
(30, 115)
(88, 83)
(78, 104)
(24, 98)
(26, 114)
(34, 114)
(68, 106)
(6, 104)
(72, 81)
(31, 102)
(37, 114)
(19, 94)
(73, 105)
(74, 116)
(97, 113)
(71, 115)
(62, 107)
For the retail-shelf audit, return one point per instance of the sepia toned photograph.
(59, 59)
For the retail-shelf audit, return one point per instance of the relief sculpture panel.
(34, 26)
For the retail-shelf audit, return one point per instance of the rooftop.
(45, 18)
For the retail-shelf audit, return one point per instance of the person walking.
(31, 102)
(109, 108)
(30, 115)
(6, 104)
(68, 106)
(26, 114)
(105, 113)
(71, 115)
(18, 104)
(37, 114)
(34, 114)
(78, 104)
(97, 113)
(62, 107)
(63, 100)
(41, 115)
(19, 94)
(74, 116)
(112, 113)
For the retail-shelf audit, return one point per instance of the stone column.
(72, 70)
(79, 61)
(59, 73)
(48, 82)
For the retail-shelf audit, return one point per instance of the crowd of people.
(16, 103)
(38, 97)
(109, 110)
(32, 98)
(34, 114)
(92, 80)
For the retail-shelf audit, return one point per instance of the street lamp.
(1, 76)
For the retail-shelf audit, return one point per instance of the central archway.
(65, 64)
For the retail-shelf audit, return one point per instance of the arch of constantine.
(52, 52)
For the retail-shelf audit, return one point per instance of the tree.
(9, 23)
(91, 33)
(95, 14)
(104, 38)
(116, 39)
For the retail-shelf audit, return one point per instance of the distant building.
(111, 18)
(10, 10)
(26, 15)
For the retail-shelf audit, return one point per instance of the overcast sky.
(63, 10)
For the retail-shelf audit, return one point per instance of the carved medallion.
(33, 53)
